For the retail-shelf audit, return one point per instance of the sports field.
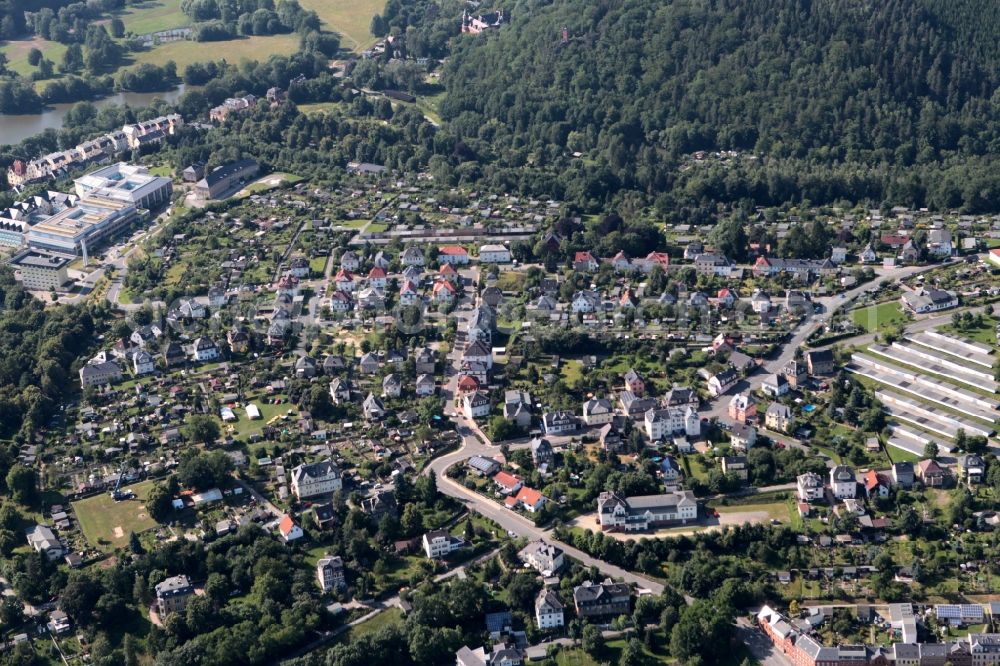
(107, 523)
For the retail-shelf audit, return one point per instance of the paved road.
(759, 644)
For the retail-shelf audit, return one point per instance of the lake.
(14, 129)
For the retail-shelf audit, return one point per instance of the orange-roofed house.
(377, 277)
(288, 530)
(584, 262)
(345, 280)
(444, 291)
(508, 483)
(531, 499)
(448, 272)
(876, 485)
(995, 256)
(453, 254)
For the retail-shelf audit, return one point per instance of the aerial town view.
(434, 332)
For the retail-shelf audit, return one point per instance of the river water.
(14, 129)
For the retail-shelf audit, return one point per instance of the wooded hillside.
(839, 99)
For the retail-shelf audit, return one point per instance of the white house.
(721, 382)
(288, 530)
(494, 254)
(775, 385)
(438, 543)
(843, 483)
(143, 363)
(476, 405)
(928, 300)
(585, 302)
(635, 514)
(662, 423)
(810, 487)
(548, 610)
(321, 478)
(412, 256)
(598, 411)
(456, 255)
(204, 349)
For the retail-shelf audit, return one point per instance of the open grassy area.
(153, 16)
(17, 54)
(251, 48)
(349, 18)
(319, 107)
(268, 182)
(383, 619)
(899, 455)
(107, 523)
(879, 317)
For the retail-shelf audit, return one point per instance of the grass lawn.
(107, 523)
(317, 264)
(985, 334)
(268, 182)
(899, 455)
(350, 18)
(319, 107)
(511, 281)
(383, 619)
(377, 227)
(154, 16)
(17, 54)
(252, 48)
(571, 371)
(879, 317)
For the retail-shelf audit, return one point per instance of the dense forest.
(824, 100)
(38, 349)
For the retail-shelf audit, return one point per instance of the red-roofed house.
(508, 483)
(468, 384)
(895, 241)
(377, 278)
(288, 530)
(444, 291)
(408, 293)
(995, 256)
(448, 273)
(529, 498)
(726, 297)
(876, 485)
(345, 280)
(661, 259)
(453, 254)
(585, 262)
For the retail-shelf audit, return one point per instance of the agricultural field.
(17, 54)
(107, 523)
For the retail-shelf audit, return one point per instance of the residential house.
(721, 382)
(598, 411)
(778, 417)
(602, 600)
(517, 407)
(671, 470)
(810, 487)
(545, 558)
(483, 466)
(681, 396)
(902, 474)
(742, 407)
(921, 301)
(349, 262)
(820, 362)
(542, 453)
(392, 385)
(876, 485)
(425, 361)
(760, 302)
(868, 255)
(476, 405)
(425, 385)
(742, 436)
(528, 499)
(330, 573)
(548, 610)
(610, 438)
(172, 595)
(663, 423)
(507, 483)
(635, 383)
(204, 349)
(289, 530)
(559, 422)
(736, 465)
(320, 478)
(100, 373)
(931, 474)
(584, 262)
(843, 483)
(972, 468)
(411, 256)
(368, 365)
(775, 385)
(373, 408)
(439, 543)
(340, 391)
(494, 254)
(43, 540)
(455, 255)
(382, 503)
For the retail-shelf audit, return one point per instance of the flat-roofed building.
(40, 271)
(76, 228)
(128, 183)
